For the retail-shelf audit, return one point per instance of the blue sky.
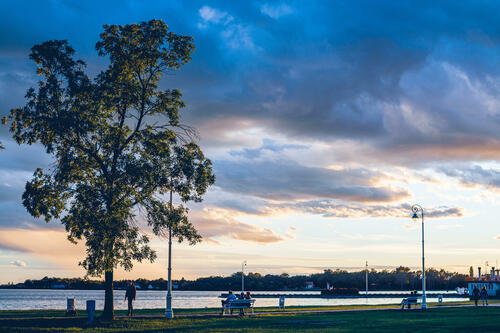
(325, 121)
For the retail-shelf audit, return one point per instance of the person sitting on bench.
(228, 300)
(412, 299)
(411, 296)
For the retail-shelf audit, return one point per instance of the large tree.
(118, 144)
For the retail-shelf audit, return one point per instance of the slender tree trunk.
(108, 313)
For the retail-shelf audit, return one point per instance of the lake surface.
(24, 299)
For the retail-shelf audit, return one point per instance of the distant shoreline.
(225, 290)
(253, 290)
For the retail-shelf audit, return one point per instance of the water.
(28, 299)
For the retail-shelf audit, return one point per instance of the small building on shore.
(491, 281)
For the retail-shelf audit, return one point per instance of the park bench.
(239, 304)
(408, 302)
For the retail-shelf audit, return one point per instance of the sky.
(325, 121)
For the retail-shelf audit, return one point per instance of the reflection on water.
(23, 299)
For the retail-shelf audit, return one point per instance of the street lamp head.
(414, 217)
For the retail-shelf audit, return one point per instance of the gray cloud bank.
(285, 180)
(474, 176)
(342, 210)
(392, 75)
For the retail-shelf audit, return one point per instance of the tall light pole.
(416, 209)
(366, 279)
(169, 314)
(243, 264)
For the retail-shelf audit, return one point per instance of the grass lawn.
(435, 319)
(61, 313)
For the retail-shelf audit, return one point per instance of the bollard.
(440, 298)
(282, 303)
(91, 310)
(71, 307)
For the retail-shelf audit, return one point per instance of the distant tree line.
(401, 278)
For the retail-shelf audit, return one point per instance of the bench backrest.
(242, 303)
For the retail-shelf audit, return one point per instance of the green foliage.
(117, 141)
(402, 278)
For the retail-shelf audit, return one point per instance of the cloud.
(14, 214)
(401, 92)
(236, 35)
(440, 212)
(213, 15)
(18, 263)
(331, 208)
(244, 206)
(337, 71)
(50, 245)
(216, 223)
(286, 179)
(276, 11)
(349, 76)
(365, 86)
(474, 176)
(268, 145)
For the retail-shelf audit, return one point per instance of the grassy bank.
(435, 319)
(159, 312)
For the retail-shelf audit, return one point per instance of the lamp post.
(416, 209)
(243, 264)
(366, 280)
(169, 314)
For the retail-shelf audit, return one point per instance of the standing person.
(484, 295)
(475, 294)
(130, 294)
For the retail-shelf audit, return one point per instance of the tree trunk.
(108, 313)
